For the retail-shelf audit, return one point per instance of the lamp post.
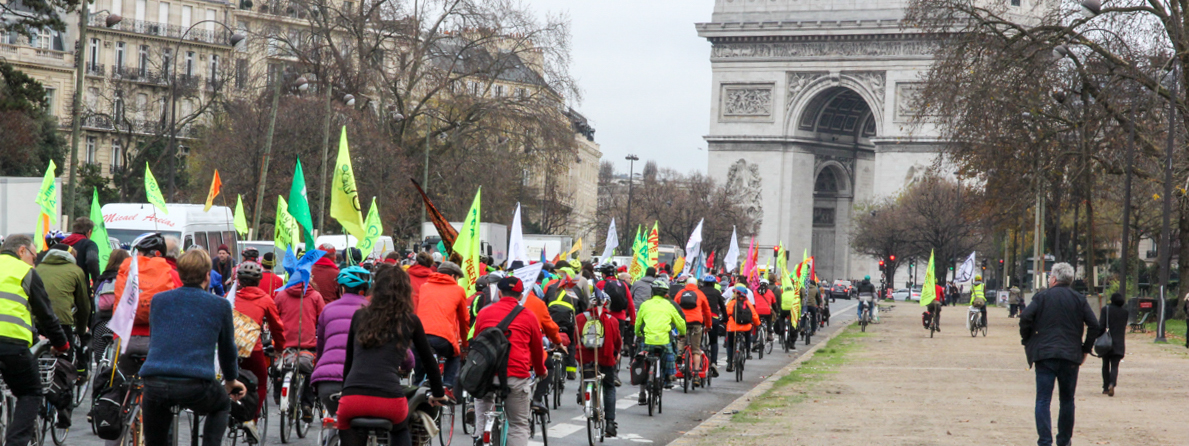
(631, 172)
(76, 107)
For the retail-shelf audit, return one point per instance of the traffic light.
(892, 257)
(881, 264)
(1000, 263)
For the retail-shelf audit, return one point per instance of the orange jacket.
(537, 306)
(731, 325)
(701, 314)
(155, 276)
(442, 309)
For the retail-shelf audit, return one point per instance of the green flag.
(282, 234)
(152, 191)
(929, 288)
(47, 196)
(639, 255)
(241, 220)
(374, 230)
(99, 232)
(467, 246)
(299, 206)
(344, 197)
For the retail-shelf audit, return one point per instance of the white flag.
(528, 274)
(231, 293)
(966, 271)
(125, 314)
(693, 248)
(611, 243)
(731, 261)
(516, 248)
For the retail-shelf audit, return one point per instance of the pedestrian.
(1013, 301)
(1051, 329)
(224, 264)
(1114, 320)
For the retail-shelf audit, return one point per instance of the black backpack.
(245, 409)
(617, 293)
(488, 359)
(62, 383)
(689, 300)
(107, 413)
(561, 313)
(742, 312)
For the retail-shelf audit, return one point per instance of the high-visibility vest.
(15, 320)
(560, 300)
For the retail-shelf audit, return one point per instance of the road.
(568, 427)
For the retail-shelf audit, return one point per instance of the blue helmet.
(710, 279)
(355, 277)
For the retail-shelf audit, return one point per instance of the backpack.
(593, 333)
(618, 295)
(247, 333)
(562, 311)
(107, 413)
(689, 300)
(742, 312)
(488, 359)
(105, 297)
(245, 409)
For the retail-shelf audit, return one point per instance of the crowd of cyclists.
(210, 334)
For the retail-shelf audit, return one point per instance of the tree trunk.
(1183, 236)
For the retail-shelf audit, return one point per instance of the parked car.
(842, 289)
(916, 293)
(901, 294)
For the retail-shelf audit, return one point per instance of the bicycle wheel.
(446, 424)
(287, 410)
(59, 434)
(686, 369)
(932, 328)
(262, 421)
(651, 400)
(984, 331)
(659, 394)
(769, 344)
(559, 387)
(42, 425)
(468, 415)
(303, 427)
(706, 367)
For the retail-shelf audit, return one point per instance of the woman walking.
(1114, 319)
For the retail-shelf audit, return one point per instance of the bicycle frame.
(495, 415)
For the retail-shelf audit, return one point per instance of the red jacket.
(418, 275)
(611, 340)
(300, 314)
(764, 302)
(444, 312)
(257, 304)
(701, 314)
(324, 277)
(271, 282)
(630, 313)
(528, 353)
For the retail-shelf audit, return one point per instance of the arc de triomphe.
(811, 103)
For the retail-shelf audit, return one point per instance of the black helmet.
(250, 253)
(608, 270)
(660, 287)
(250, 271)
(149, 243)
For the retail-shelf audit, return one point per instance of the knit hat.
(511, 284)
(269, 261)
(223, 247)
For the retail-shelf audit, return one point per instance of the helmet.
(710, 279)
(250, 253)
(660, 287)
(54, 236)
(764, 281)
(608, 270)
(978, 277)
(354, 277)
(867, 278)
(150, 242)
(250, 271)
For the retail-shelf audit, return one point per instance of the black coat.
(714, 298)
(86, 255)
(1051, 327)
(1116, 322)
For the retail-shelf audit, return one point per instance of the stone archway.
(832, 199)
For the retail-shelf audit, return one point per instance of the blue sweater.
(188, 323)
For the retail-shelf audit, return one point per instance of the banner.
(47, 196)
(639, 255)
(447, 232)
(516, 248)
(610, 244)
(467, 246)
(731, 261)
(654, 251)
(152, 191)
(966, 271)
(299, 205)
(373, 229)
(344, 197)
(749, 263)
(216, 186)
(99, 232)
(241, 220)
(528, 274)
(283, 225)
(125, 314)
(929, 288)
(693, 248)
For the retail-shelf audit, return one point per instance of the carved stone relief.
(747, 100)
(798, 81)
(792, 50)
(745, 182)
(907, 97)
(874, 82)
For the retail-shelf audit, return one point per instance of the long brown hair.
(389, 315)
(117, 258)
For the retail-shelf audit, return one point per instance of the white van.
(187, 222)
(384, 244)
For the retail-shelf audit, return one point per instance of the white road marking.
(559, 430)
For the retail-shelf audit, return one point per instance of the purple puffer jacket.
(333, 326)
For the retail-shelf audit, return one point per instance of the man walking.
(1051, 331)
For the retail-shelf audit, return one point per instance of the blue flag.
(299, 270)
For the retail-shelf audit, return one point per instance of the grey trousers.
(516, 408)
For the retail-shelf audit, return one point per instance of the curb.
(724, 415)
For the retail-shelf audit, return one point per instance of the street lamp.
(76, 111)
(631, 168)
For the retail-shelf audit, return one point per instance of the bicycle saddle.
(382, 424)
(417, 397)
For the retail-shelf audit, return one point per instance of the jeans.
(19, 368)
(516, 409)
(731, 336)
(444, 349)
(203, 397)
(1110, 371)
(1065, 374)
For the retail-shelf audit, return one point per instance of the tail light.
(285, 392)
(586, 394)
(486, 437)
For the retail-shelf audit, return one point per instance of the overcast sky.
(645, 77)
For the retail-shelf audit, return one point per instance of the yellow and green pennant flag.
(639, 255)
(152, 191)
(467, 246)
(99, 231)
(374, 229)
(654, 252)
(283, 226)
(47, 196)
(299, 205)
(344, 197)
(929, 288)
(241, 220)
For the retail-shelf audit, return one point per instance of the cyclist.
(764, 301)
(810, 305)
(105, 297)
(696, 310)
(619, 291)
(934, 309)
(443, 312)
(255, 303)
(419, 273)
(532, 302)
(737, 329)
(564, 304)
(86, 252)
(718, 310)
(334, 324)
(978, 297)
(655, 320)
(299, 305)
(66, 285)
(325, 273)
(527, 355)
(866, 292)
(20, 283)
(603, 333)
(788, 298)
(188, 324)
(378, 340)
(155, 275)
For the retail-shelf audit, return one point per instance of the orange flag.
(216, 185)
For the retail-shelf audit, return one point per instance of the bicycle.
(540, 417)
(806, 326)
(739, 354)
(557, 376)
(495, 430)
(783, 333)
(596, 422)
(292, 377)
(933, 317)
(445, 415)
(82, 360)
(685, 367)
(865, 318)
(656, 379)
(759, 334)
(974, 320)
(8, 403)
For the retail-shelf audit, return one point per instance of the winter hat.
(269, 261)
(511, 285)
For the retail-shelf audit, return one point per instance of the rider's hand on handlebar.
(235, 389)
(436, 401)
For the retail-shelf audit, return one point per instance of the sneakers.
(643, 400)
(618, 383)
(307, 414)
(253, 434)
(730, 368)
(611, 429)
(713, 371)
(469, 416)
(571, 375)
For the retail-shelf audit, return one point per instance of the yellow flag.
(47, 196)
(151, 191)
(344, 198)
(241, 220)
(576, 249)
(467, 246)
(374, 229)
(929, 288)
(283, 225)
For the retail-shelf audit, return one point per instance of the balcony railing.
(216, 36)
(95, 69)
(98, 122)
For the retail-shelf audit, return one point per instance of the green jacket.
(656, 317)
(66, 285)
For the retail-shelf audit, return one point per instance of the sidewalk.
(896, 386)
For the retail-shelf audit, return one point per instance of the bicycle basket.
(422, 428)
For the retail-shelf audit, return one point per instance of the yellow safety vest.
(560, 300)
(15, 320)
